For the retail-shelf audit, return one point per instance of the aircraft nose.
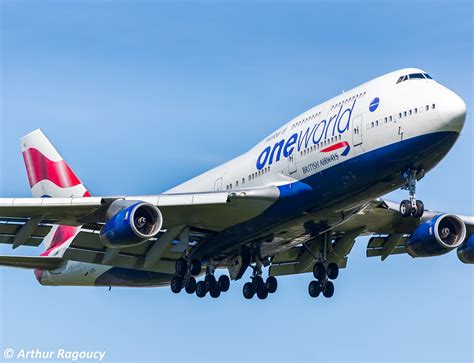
(452, 111)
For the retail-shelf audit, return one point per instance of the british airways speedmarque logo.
(374, 104)
(339, 145)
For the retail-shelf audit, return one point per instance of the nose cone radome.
(452, 111)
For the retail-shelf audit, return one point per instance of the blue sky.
(139, 96)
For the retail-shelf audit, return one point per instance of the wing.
(32, 262)
(379, 218)
(213, 211)
(186, 217)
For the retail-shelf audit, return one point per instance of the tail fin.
(48, 173)
(50, 176)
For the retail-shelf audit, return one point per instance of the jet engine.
(437, 236)
(130, 223)
(466, 250)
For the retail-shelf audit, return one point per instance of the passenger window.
(416, 110)
(404, 114)
(400, 115)
(243, 180)
(236, 183)
(390, 119)
(386, 120)
(427, 107)
(372, 124)
(433, 106)
(410, 112)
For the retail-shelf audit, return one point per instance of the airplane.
(294, 203)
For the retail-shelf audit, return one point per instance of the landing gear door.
(357, 130)
(218, 185)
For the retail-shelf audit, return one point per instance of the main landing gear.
(323, 276)
(258, 286)
(184, 278)
(412, 207)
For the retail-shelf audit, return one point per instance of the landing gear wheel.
(257, 283)
(319, 271)
(328, 290)
(419, 210)
(333, 271)
(210, 282)
(248, 290)
(191, 285)
(195, 266)
(201, 289)
(215, 292)
(271, 284)
(223, 283)
(405, 208)
(262, 293)
(314, 288)
(176, 284)
(181, 266)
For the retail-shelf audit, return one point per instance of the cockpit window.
(417, 76)
(414, 76)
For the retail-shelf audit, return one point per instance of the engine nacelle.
(437, 236)
(130, 223)
(466, 250)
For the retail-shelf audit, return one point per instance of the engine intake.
(437, 236)
(466, 250)
(130, 223)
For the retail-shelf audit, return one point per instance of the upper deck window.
(414, 76)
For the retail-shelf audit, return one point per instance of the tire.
(210, 282)
(248, 290)
(176, 284)
(328, 289)
(420, 209)
(333, 271)
(181, 266)
(201, 289)
(223, 283)
(271, 284)
(319, 271)
(262, 294)
(191, 285)
(405, 208)
(258, 283)
(314, 288)
(215, 292)
(195, 266)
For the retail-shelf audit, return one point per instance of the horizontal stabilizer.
(32, 262)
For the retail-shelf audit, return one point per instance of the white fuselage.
(405, 111)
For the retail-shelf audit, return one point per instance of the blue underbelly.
(353, 181)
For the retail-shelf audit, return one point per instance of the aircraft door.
(292, 163)
(218, 185)
(357, 130)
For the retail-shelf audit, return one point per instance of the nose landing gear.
(412, 207)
